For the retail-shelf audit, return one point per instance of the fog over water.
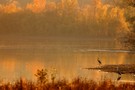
(68, 58)
(62, 35)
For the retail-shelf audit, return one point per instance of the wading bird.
(99, 61)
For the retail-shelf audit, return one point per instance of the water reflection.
(23, 60)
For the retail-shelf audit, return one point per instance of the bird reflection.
(118, 78)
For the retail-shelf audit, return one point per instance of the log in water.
(120, 68)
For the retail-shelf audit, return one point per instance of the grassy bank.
(76, 84)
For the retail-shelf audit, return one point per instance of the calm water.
(22, 57)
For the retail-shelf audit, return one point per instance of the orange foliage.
(51, 6)
(10, 8)
(37, 6)
(68, 6)
(95, 14)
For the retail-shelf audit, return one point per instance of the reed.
(75, 84)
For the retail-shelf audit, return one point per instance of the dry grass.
(76, 84)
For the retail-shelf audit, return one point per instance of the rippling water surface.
(22, 57)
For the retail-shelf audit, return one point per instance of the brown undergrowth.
(75, 84)
(78, 83)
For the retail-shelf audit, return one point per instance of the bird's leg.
(119, 72)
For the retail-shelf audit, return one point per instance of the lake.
(22, 56)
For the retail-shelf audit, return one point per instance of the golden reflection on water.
(33, 65)
(9, 64)
(68, 64)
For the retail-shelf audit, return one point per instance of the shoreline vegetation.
(75, 84)
(78, 83)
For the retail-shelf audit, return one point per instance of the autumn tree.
(68, 8)
(36, 6)
(10, 7)
(129, 38)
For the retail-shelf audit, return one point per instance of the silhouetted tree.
(41, 76)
